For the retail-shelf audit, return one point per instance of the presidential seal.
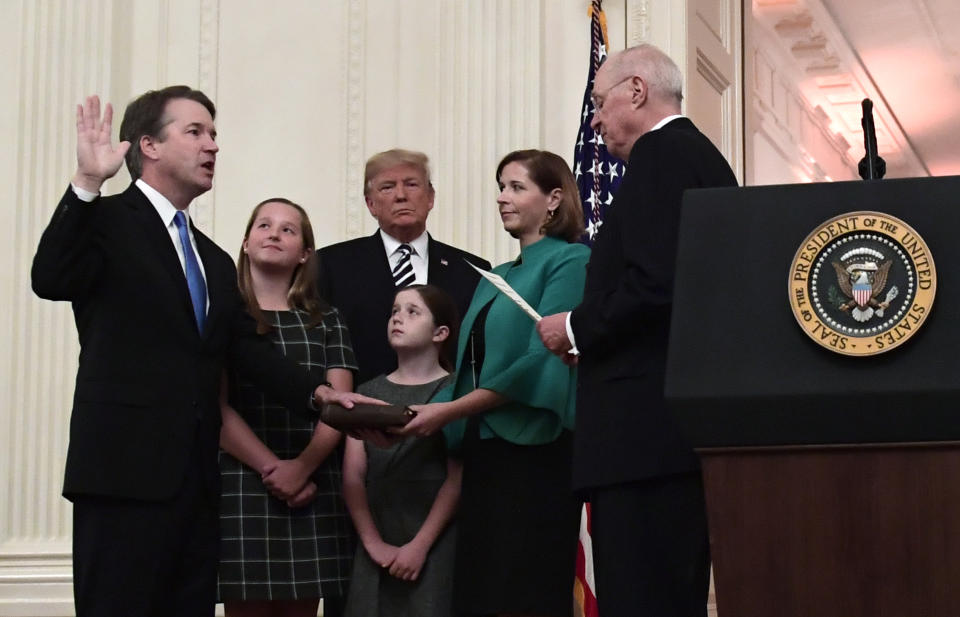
(862, 283)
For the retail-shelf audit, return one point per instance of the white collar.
(164, 208)
(418, 244)
(660, 125)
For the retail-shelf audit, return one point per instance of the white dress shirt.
(166, 210)
(418, 254)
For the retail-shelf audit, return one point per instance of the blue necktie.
(198, 288)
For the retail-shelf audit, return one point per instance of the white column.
(58, 51)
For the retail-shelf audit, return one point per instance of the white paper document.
(497, 281)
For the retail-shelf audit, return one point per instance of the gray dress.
(402, 483)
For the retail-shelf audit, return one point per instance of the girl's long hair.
(303, 294)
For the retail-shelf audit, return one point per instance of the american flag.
(598, 173)
(584, 588)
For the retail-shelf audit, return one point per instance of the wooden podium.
(832, 482)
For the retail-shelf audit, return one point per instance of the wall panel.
(279, 109)
(59, 51)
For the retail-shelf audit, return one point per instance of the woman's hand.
(307, 494)
(285, 478)
(381, 553)
(429, 419)
(326, 394)
(409, 561)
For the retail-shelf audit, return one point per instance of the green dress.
(402, 483)
(518, 521)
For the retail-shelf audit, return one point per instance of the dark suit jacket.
(355, 278)
(148, 383)
(623, 430)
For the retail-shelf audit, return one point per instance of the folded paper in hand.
(497, 281)
(365, 415)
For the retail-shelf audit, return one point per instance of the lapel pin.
(443, 262)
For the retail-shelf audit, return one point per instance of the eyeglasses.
(598, 99)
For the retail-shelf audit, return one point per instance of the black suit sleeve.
(67, 262)
(256, 358)
(643, 229)
(324, 287)
(449, 272)
(645, 226)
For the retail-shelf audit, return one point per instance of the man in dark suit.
(651, 554)
(361, 276)
(158, 315)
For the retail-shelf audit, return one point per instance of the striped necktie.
(195, 282)
(403, 272)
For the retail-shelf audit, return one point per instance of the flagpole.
(598, 175)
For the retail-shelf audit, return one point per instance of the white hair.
(663, 77)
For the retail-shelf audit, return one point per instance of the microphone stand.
(871, 166)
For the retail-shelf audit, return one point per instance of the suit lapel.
(438, 264)
(374, 260)
(206, 251)
(158, 240)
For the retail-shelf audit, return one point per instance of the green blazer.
(550, 277)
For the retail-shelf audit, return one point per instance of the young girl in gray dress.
(403, 498)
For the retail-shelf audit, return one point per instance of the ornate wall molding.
(163, 41)
(814, 57)
(491, 102)
(709, 71)
(802, 134)
(204, 207)
(63, 53)
(638, 22)
(54, 70)
(354, 104)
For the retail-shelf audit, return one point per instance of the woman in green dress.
(509, 413)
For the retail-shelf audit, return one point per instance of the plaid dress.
(269, 551)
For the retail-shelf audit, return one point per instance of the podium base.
(835, 531)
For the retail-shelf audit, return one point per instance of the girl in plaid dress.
(402, 498)
(285, 536)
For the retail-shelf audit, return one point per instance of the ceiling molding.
(830, 77)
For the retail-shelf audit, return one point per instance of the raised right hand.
(97, 159)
